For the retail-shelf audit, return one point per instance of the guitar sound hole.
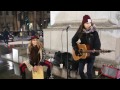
(80, 52)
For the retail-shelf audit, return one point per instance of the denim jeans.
(90, 63)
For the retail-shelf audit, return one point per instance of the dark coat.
(5, 34)
(35, 55)
(88, 38)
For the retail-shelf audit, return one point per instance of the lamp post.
(44, 23)
(22, 35)
(22, 25)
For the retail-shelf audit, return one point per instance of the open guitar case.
(62, 58)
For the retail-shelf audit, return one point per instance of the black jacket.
(5, 34)
(89, 38)
(34, 56)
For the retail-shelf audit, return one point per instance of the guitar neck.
(100, 51)
(92, 51)
(83, 49)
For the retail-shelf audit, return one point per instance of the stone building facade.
(13, 19)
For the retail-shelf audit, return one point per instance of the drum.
(39, 74)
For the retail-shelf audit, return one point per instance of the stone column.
(18, 21)
(34, 24)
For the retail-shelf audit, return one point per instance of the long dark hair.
(80, 29)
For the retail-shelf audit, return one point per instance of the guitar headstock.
(107, 51)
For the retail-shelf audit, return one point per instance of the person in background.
(6, 36)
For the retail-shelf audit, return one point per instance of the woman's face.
(34, 42)
(87, 25)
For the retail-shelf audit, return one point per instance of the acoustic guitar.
(85, 52)
(39, 74)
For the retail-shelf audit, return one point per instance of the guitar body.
(82, 47)
(85, 50)
(39, 74)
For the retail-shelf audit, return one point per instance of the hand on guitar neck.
(93, 51)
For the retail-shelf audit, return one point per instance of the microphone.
(67, 27)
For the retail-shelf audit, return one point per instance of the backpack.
(62, 58)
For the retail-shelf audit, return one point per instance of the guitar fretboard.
(100, 51)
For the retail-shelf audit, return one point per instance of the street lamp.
(45, 23)
(22, 35)
(41, 26)
(22, 21)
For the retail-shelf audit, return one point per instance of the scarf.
(92, 29)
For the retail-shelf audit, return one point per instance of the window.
(7, 12)
(13, 12)
(48, 11)
(0, 12)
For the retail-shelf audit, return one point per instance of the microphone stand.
(67, 54)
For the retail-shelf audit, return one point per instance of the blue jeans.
(90, 63)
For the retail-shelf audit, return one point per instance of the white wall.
(53, 37)
(76, 16)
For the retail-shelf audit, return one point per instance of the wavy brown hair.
(39, 45)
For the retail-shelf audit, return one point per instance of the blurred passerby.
(6, 36)
(33, 33)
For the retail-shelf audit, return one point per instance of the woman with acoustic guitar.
(34, 52)
(88, 36)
